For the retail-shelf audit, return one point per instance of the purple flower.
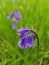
(16, 14)
(26, 41)
(23, 31)
(10, 16)
(14, 25)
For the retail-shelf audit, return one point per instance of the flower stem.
(37, 45)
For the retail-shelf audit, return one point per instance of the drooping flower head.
(15, 14)
(23, 31)
(26, 41)
(10, 16)
(14, 25)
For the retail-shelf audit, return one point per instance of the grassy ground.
(35, 15)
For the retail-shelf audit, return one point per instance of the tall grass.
(35, 15)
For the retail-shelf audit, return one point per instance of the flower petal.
(30, 40)
(10, 16)
(14, 25)
(22, 43)
(17, 15)
(26, 42)
(23, 31)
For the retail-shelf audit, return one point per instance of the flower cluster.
(26, 39)
(17, 16)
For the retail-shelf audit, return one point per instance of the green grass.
(35, 15)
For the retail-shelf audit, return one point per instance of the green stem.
(37, 45)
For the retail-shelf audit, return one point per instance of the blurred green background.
(35, 15)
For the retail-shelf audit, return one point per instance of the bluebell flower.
(17, 15)
(23, 31)
(26, 40)
(14, 25)
(10, 16)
